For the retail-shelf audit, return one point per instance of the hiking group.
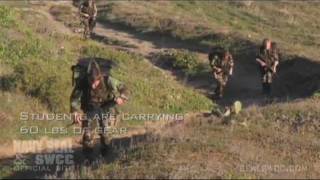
(96, 93)
(222, 65)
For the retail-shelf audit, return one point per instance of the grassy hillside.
(36, 59)
(294, 25)
(277, 141)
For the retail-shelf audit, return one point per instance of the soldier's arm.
(119, 90)
(75, 99)
(81, 11)
(231, 65)
(210, 58)
(259, 59)
(276, 61)
(275, 65)
(95, 10)
(216, 68)
(214, 64)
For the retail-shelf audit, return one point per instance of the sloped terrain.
(270, 138)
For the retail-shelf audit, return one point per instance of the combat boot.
(105, 148)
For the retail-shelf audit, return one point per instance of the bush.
(180, 59)
(317, 94)
(7, 16)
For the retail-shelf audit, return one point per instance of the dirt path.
(29, 151)
(54, 25)
(142, 47)
(244, 85)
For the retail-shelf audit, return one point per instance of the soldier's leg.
(87, 139)
(216, 90)
(86, 31)
(221, 90)
(268, 83)
(219, 87)
(222, 84)
(264, 82)
(224, 81)
(104, 132)
(92, 23)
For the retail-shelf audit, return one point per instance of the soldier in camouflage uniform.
(88, 13)
(221, 63)
(96, 96)
(268, 59)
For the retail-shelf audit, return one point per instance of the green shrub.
(180, 59)
(317, 94)
(7, 16)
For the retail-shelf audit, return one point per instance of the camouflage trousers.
(222, 80)
(89, 24)
(267, 77)
(95, 123)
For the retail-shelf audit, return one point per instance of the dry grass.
(264, 148)
(294, 25)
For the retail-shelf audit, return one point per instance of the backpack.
(80, 75)
(215, 53)
(81, 69)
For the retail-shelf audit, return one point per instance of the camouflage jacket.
(224, 64)
(275, 55)
(83, 97)
(268, 56)
(91, 11)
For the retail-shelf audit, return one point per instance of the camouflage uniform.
(270, 57)
(88, 13)
(97, 104)
(221, 64)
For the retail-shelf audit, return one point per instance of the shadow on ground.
(298, 77)
(245, 85)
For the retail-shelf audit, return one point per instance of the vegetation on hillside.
(294, 25)
(36, 62)
(35, 76)
(279, 140)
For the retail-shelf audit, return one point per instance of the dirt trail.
(8, 151)
(54, 25)
(244, 85)
(30, 150)
(139, 45)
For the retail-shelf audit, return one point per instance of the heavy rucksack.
(215, 53)
(80, 71)
(81, 74)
